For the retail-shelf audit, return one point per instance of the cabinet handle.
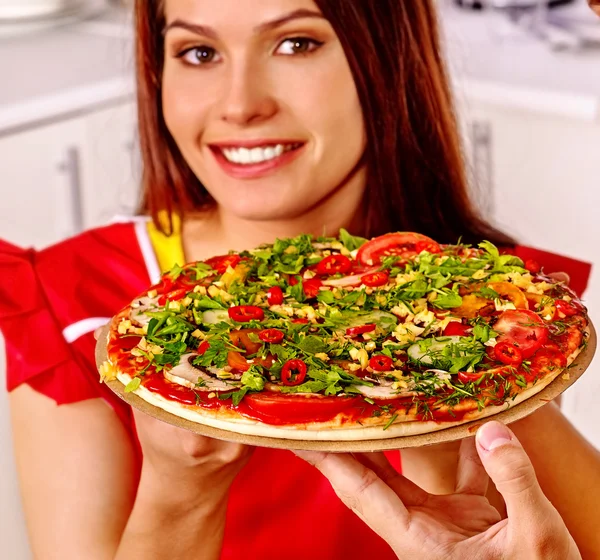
(71, 167)
(483, 164)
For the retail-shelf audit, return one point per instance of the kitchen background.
(527, 83)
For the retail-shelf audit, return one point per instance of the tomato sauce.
(157, 383)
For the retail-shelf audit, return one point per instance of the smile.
(246, 156)
(253, 159)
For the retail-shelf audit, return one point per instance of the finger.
(595, 5)
(511, 470)
(362, 491)
(471, 477)
(408, 491)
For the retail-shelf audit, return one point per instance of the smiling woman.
(257, 120)
(295, 108)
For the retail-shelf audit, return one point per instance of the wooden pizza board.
(468, 429)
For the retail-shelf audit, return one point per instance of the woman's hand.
(205, 467)
(462, 525)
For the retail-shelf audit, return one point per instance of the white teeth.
(245, 156)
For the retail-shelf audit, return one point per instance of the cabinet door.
(542, 179)
(40, 177)
(111, 170)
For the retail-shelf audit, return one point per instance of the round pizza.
(344, 339)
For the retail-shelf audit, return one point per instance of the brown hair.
(416, 177)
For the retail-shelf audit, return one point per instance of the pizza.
(346, 339)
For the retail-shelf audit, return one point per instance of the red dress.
(50, 303)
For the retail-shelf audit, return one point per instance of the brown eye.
(198, 56)
(298, 45)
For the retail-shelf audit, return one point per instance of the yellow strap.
(168, 248)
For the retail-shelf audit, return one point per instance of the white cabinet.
(541, 178)
(111, 174)
(59, 179)
(39, 183)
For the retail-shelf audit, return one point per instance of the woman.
(257, 121)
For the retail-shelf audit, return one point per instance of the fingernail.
(492, 435)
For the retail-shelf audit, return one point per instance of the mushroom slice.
(184, 373)
(137, 315)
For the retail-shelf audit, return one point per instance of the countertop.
(73, 69)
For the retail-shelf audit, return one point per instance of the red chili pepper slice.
(508, 353)
(176, 295)
(245, 313)
(457, 329)
(300, 320)
(532, 266)
(275, 296)
(293, 373)
(166, 285)
(272, 336)
(204, 346)
(381, 363)
(334, 264)
(375, 279)
(311, 287)
(220, 264)
(360, 329)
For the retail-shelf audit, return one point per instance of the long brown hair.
(416, 178)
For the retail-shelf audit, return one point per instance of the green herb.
(351, 242)
(391, 421)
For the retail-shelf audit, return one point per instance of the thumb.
(509, 467)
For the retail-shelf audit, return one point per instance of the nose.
(247, 98)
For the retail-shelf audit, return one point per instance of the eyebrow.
(268, 26)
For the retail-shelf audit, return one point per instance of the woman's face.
(261, 102)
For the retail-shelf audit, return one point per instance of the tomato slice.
(275, 296)
(241, 339)
(455, 328)
(375, 279)
(245, 313)
(236, 361)
(524, 329)
(311, 287)
(401, 244)
(544, 361)
(360, 329)
(507, 353)
(468, 377)
(334, 264)
(563, 309)
(294, 409)
(221, 263)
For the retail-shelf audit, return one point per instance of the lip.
(254, 170)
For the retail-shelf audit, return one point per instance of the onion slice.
(184, 373)
(352, 280)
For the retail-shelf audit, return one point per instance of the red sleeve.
(36, 351)
(578, 271)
